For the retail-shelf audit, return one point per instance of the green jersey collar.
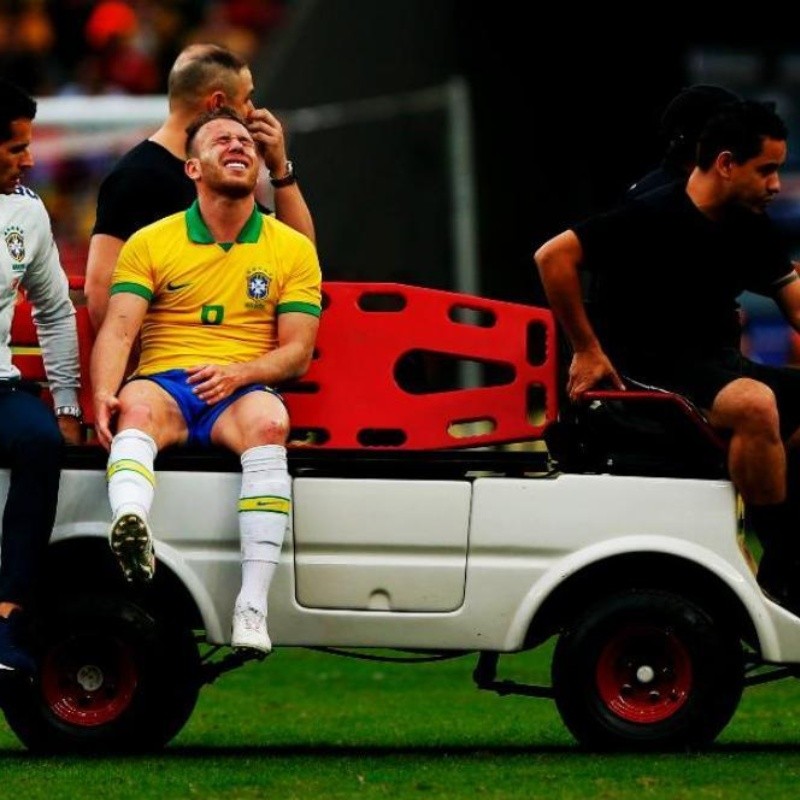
(200, 234)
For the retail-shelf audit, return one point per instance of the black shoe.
(13, 655)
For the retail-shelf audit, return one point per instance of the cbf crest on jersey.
(15, 242)
(257, 287)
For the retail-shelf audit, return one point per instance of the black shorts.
(702, 378)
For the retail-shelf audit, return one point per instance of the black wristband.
(287, 180)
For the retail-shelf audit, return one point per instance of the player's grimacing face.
(227, 157)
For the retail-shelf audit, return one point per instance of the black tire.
(647, 670)
(111, 678)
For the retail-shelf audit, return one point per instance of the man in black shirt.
(669, 267)
(149, 181)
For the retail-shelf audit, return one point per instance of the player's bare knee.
(271, 430)
(747, 407)
(136, 415)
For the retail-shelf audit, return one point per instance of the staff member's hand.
(267, 133)
(588, 369)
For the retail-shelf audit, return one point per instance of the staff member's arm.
(558, 261)
(287, 200)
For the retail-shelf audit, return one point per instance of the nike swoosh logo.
(173, 287)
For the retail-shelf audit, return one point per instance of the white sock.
(264, 506)
(130, 476)
(256, 578)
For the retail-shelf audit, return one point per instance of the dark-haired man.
(31, 437)
(669, 267)
(149, 181)
(228, 302)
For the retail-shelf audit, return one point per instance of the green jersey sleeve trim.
(304, 308)
(132, 288)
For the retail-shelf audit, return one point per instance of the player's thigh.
(257, 418)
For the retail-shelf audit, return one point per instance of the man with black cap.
(670, 266)
(681, 124)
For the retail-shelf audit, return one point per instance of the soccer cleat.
(132, 544)
(250, 632)
(14, 658)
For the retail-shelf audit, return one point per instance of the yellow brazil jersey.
(212, 302)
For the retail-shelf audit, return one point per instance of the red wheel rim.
(644, 674)
(89, 681)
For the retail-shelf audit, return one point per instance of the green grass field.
(305, 724)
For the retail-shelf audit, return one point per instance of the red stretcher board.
(379, 343)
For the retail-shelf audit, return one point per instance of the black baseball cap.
(687, 112)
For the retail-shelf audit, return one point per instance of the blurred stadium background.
(438, 141)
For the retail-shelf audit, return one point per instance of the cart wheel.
(647, 670)
(111, 677)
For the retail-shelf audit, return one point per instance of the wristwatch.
(69, 411)
(287, 180)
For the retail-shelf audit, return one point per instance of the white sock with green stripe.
(264, 505)
(130, 476)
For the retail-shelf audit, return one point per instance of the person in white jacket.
(31, 435)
